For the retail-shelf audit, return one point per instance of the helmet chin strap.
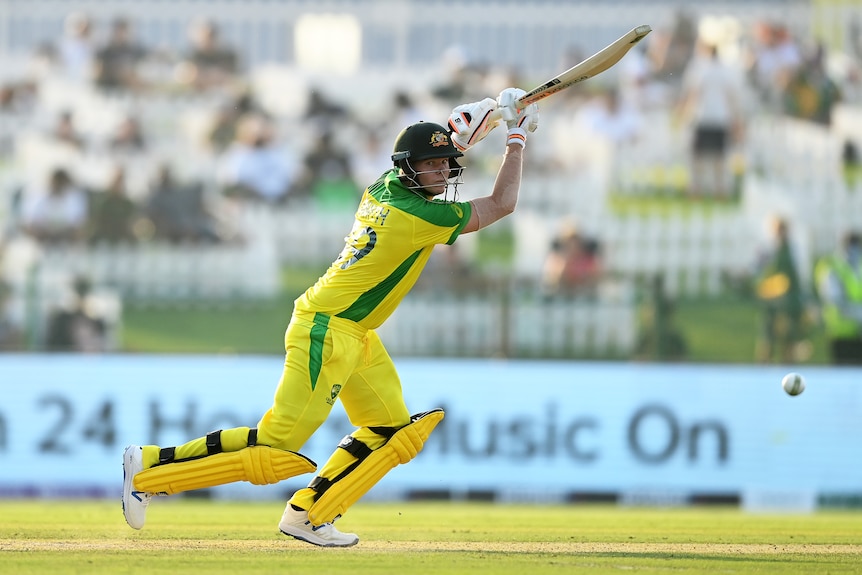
(453, 180)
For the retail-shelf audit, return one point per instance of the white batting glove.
(470, 123)
(519, 121)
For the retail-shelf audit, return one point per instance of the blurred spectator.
(609, 118)
(782, 299)
(74, 327)
(405, 111)
(66, 132)
(18, 97)
(572, 55)
(634, 84)
(660, 338)
(710, 104)
(7, 97)
(118, 60)
(370, 159)
(324, 114)
(113, 215)
(178, 211)
(57, 214)
(76, 51)
(671, 50)
(326, 174)
(17, 102)
(209, 63)
(851, 163)
(11, 334)
(573, 265)
(223, 130)
(458, 75)
(253, 166)
(21, 259)
(44, 60)
(854, 37)
(839, 287)
(776, 57)
(811, 93)
(128, 136)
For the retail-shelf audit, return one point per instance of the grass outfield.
(192, 536)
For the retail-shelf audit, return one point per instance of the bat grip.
(497, 115)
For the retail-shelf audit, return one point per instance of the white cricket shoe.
(296, 524)
(134, 502)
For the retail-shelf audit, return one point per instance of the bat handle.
(497, 115)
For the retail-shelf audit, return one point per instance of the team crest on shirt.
(333, 394)
(439, 139)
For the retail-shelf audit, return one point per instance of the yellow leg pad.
(260, 465)
(403, 446)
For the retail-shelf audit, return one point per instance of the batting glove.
(470, 123)
(519, 121)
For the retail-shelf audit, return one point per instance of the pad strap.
(213, 444)
(337, 495)
(166, 455)
(356, 448)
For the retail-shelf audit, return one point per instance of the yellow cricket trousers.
(326, 358)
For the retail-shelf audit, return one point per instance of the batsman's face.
(432, 175)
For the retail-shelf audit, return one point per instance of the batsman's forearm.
(508, 182)
(504, 197)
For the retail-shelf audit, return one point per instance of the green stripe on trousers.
(315, 349)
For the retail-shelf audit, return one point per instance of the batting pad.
(260, 465)
(403, 446)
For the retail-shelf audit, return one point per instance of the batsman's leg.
(223, 456)
(265, 454)
(387, 436)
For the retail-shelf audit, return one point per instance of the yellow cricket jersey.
(390, 243)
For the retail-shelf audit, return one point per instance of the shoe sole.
(127, 484)
(301, 538)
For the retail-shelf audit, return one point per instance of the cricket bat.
(592, 66)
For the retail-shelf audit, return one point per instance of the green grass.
(248, 329)
(725, 331)
(194, 536)
(664, 190)
(667, 203)
(252, 328)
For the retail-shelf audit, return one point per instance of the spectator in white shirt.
(710, 104)
(57, 214)
(76, 49)
(253, 166)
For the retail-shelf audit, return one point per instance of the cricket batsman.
(332, 349)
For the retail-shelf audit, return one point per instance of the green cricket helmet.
(422, 141)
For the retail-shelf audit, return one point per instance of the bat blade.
(592, 66)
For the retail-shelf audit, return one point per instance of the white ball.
(793, 383)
